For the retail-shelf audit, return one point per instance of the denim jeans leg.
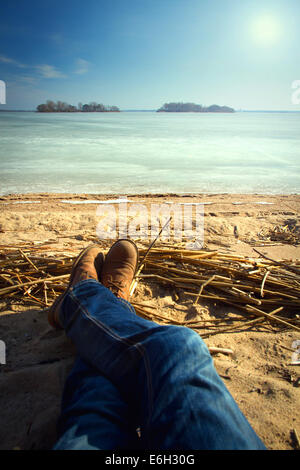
(165, 374)
(93, 414)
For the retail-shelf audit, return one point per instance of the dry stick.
(242, 324)
(165, 267)
(231, 283)
(202, 287)
(146, 254)
(7, 279)
(45, 293)
(263, 283)
(179, 251)
(243, 307)
(291, 268)
(36, 299)
(214, 350)
(143, 305)
(270, 317)
(239, 293)
(296, 438)
(254, 272)
(142, 308)
(191, 323)
(284, 347)
(6, 290)
(153, 314)
(20, 281)
(135, 281)
(259, 320)
(27, 259)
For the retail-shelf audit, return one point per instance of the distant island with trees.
(61, 107)
(193, 108)
(93, 107)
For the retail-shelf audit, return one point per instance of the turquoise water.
(136, 152)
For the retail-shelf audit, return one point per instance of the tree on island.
(61, 107)
(98, 108)
(193, 108)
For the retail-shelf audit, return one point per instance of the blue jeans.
(133, 373)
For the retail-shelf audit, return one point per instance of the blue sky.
(139, 54)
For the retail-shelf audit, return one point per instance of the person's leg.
(93, 415)
(164, 373)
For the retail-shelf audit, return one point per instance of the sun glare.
(266, 30)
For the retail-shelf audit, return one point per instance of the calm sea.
(148, 152)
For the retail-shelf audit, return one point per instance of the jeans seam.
(140, 349)
(127, 304)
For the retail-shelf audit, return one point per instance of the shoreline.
(73, 194)
(64, 216)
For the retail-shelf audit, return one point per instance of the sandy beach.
(258, 373)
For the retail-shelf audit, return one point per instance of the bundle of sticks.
(262, 290)
(287, 234)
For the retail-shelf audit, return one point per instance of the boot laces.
(116, 287)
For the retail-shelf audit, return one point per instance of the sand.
(38, 359)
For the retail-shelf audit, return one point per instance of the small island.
(193, 108)
(61, 107)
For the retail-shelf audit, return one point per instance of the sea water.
(149, 152)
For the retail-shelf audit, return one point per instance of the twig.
(263, 283)
(279, 263)
(45, 293)
(202, 287)
(158, 235)
(214, 350)
(296, 438)
(6, 290)
(272, 318)
(27, 259)
(134, 282)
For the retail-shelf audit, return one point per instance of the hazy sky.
(139, 54)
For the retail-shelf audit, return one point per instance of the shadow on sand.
(38, 360)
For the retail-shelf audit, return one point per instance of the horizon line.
(174, 112)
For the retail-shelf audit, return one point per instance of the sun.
(266, 30)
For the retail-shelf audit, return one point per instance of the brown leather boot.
(86, 266)
(120, 267)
